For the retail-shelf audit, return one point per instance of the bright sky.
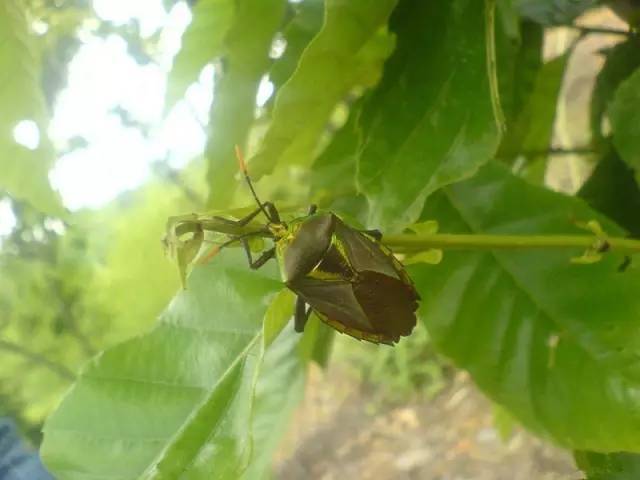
(103, 76)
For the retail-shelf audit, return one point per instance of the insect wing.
(366, 254)
(388, 303)
(334, 299)
(376, 308)
(363, 253)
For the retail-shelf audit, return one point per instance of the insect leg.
(238, 238)
(625, 263)
(312, 209)
(261, 260)
(375, 233)
(301, 315)
(241, 222)
(274, 216)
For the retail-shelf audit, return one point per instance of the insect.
(346, 276)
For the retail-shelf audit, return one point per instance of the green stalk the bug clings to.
(351, 280)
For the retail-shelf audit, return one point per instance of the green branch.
(37, 359)
(593, 244)
(412, 243)
(585, 30)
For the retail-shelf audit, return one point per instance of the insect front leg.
(261, 260)
(301, 315)
(272, 212)
(241, 222)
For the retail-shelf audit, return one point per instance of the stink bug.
(346, 276)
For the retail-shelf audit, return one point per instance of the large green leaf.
(248, 45)
(624, 113)
(178, 401)
(202, 42)
(304, 25)
(430, 122)
(279, 388)
(609, 466)
(24, 171)
(334, 172)
(347, 52)
(555, 343)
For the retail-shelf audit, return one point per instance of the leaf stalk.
(412, 243)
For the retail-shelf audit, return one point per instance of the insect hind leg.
(301, 316)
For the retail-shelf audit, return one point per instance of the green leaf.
(432, 257)
(348, 52)
(531, 131)
(503, 422)
(125, 240)
(430, 122)
(301, 29)
(611, 189)
(334, 172)
(609, 466)
(620, 62)
(24, 172)
(553, 12)
(428, 227)
(177, 401)
(187, 253)
(232, 112)
(624, 113)
(279, 389)
(519, 58)
(317, 341)
(553, 342)
(278, 315)
(322, 347)
(202, 42)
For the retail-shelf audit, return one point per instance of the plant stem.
(37, 359)
(412, 243)
(602, 30)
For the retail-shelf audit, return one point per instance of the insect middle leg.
(261, 260)
(301, 315)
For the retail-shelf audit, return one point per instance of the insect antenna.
(245, 172)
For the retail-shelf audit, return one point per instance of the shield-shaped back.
(358, 287)
(311, 240)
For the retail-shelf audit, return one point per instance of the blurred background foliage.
(73, 283)
(77, 279)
